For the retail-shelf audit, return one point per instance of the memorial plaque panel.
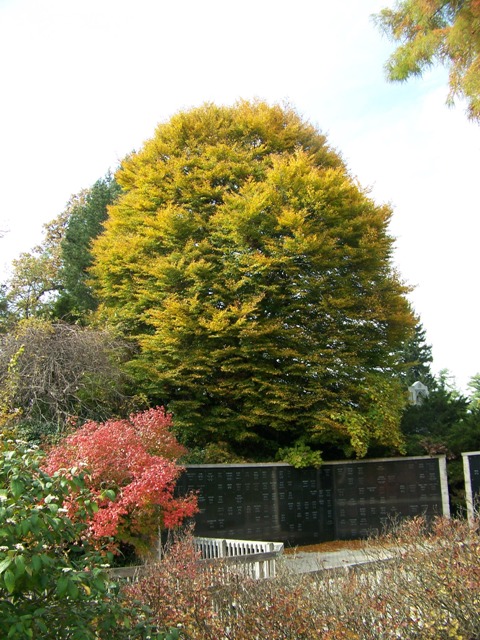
(344, 500)
(474, 463)
(471, 468)
(369, 493)
(305, 504)
(234, 501)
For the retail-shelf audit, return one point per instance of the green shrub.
(53, 585)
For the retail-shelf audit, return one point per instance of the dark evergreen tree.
(51, 281)
(417, 358)
(445, 423)
(86, 214)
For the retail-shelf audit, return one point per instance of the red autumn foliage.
(428, 589)
(136, 459)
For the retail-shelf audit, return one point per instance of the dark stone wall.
(471, 471)
(339, 501)
(474, 464)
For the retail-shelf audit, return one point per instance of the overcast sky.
(83, 83)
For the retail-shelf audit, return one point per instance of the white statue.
(417, 392)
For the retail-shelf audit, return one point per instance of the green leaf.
(39, 622)
(77, 482)
(99, 584)
(25, 526)
(72, 590)
(17, 487)
(5, 563)
(36, 563)
(19, 566)
(46, 560)
(109, 493)
(9, 580)
(62, 586)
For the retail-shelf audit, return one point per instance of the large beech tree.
(255, 275)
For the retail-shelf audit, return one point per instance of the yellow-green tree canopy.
(255, 275)
(437, 31)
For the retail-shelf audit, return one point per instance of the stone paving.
(309, 562)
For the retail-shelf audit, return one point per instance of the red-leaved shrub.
(130, 468)
(429, 589)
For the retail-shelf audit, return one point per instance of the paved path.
(309, 562)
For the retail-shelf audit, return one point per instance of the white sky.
(84, 82)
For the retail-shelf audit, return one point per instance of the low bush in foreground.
(430, 590)
(53, 583)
